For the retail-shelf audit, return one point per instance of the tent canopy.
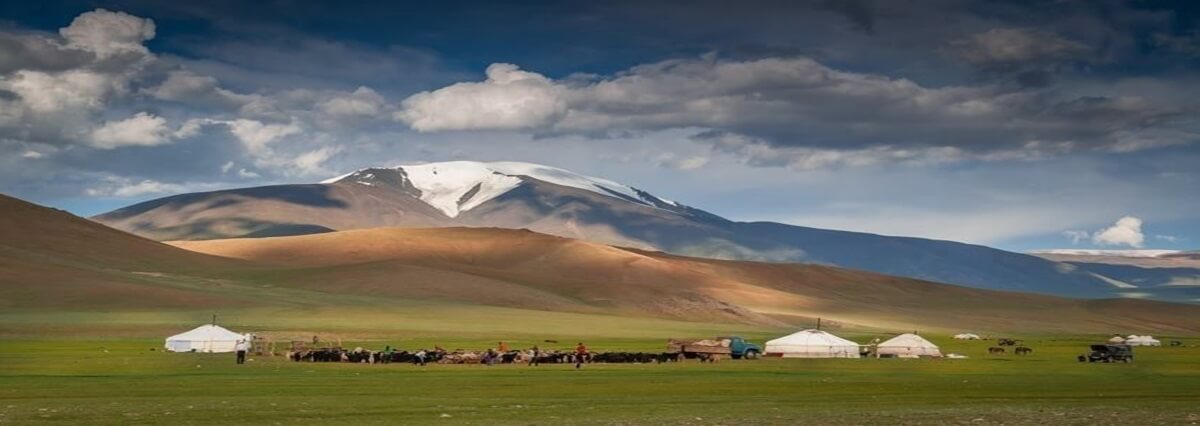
(205, 338)
(967, 336)
(812, 344)
(908, 344)
(1143, 341)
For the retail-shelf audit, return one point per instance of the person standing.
(240, 347)
(580, 352)
(537, 353)
(420, 357)
(502, 348)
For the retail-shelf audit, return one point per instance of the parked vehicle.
(732, 346)
(1109, 353)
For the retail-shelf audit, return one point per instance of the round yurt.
(205, 338)
(812, 344)
(1116, 340)
(907, 345)
(1143, 341)
(966, 336)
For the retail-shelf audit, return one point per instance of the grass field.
(98, 368)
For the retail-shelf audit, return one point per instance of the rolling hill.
(53, 262)
(50, 258)
(558, 202)
(1168, 274)
(514, 268)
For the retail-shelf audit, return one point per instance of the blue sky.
(1021, 125)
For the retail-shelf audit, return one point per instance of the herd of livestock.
(441, 356)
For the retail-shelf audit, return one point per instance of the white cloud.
(312, 162)
(44, 92)
(256, 136)
(124, 188)
(509, 99)
(798, 108)
(108, 33)
(243, 173)
(33, 155)
(142, 129)
(61, 84)
(362, 102)
(188, 87)
(1127, 231)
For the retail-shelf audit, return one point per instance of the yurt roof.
(908, 340)
(812, 337)
(208, 332)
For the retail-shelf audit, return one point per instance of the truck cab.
(740, 348)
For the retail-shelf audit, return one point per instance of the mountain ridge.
(588, 208)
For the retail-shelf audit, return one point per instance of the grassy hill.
(50, 259)
(522, 269)
(60, 270)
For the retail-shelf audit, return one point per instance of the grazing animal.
(995, 350)
(1023, 350)
(1176, 343)
(1004, 341)
(709, 358)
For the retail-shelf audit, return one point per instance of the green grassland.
(107, 368)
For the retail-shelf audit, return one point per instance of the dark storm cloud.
(857, 11)
(36, 52)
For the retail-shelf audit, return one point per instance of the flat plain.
(98, 368)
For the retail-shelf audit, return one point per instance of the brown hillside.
(526, 269)
(52, 258)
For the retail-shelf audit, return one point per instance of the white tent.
(966, 336)
(908, 345)
(205, 338)
(1116, 340)
(812, 344)
(1143, 341)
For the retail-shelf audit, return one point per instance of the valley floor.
(77, 377)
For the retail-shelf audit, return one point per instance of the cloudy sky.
(1032, 124)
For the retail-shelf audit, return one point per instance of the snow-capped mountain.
(559, 202)
(454, 187)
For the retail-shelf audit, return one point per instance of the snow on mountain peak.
(457, 186)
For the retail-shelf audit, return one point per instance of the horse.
(995, 350)
(1023, 350)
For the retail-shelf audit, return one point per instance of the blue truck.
(732, 346)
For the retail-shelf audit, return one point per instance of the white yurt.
(1143, 341)
(812, 344)
(966, 336)
(205, 338)
(908, 345)
(1116, 340)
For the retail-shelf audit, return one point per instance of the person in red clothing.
(580, 352)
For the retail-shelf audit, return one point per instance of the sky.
(1020, 125)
